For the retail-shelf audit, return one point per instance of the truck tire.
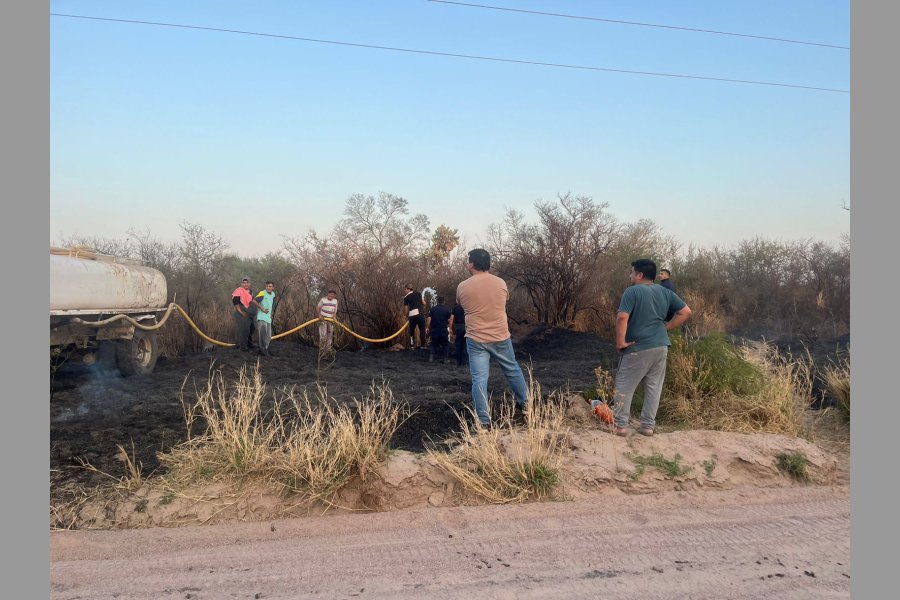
(138, 355)
(106, 355)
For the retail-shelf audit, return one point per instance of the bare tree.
(382, 224)
(376, 248)
(554, 259)
(112, 246)
(201, 258)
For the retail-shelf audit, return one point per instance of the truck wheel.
(106, 355)
(138, 355)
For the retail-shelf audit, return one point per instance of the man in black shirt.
(415, 309)
(458, 327)
(437, 326)
(665, 280)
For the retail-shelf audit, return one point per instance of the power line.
(638, 23)
(454, 55)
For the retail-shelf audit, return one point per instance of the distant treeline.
(566, 265)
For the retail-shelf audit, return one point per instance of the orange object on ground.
(604, 412)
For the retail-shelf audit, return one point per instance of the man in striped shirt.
(327, 309)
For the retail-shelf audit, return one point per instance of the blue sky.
(257, 137)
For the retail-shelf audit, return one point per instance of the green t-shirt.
(265, 299)
(647, 305)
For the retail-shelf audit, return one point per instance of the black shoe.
(518, 416)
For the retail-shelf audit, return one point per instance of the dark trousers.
(440, 344)
(251, 329)
(241, 330)
(462, 352)
(416, 321)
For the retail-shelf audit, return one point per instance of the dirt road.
(744, 543)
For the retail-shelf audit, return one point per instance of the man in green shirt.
(266, 300)
(643, 342)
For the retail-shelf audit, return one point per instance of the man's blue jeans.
(480, 354)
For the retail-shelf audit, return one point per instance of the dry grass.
(177, 338)
(66, 509)
(707, 317)
(606, 385)
(311, 446)
(509, 463)
(776, 407)
(134, 477)
(837, 383)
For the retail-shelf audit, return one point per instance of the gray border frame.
(873, 139)
(873, 145)
(26, 217)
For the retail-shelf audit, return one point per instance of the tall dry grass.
(775, 404)
(310, 445)
(508, 462)
(706, 318)
(837, 383)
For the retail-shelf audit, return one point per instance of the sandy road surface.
(746, 543)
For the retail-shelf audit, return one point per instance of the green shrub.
(590, 393)
(794, 464)
(716, 368)
(670, 466)
(711, 384)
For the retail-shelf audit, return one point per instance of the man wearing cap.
(241, 299)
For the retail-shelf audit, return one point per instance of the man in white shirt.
(327, 309)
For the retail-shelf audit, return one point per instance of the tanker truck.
(88, 290)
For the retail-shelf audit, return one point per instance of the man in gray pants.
(643, 343)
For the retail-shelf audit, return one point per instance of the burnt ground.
(92, 409)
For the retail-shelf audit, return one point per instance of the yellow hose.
(297, 328)
(365, 339)
(226, 344)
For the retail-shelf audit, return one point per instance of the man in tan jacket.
(483, 297)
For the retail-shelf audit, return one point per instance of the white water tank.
(103, 284)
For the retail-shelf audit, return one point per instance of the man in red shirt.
(241, 299)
